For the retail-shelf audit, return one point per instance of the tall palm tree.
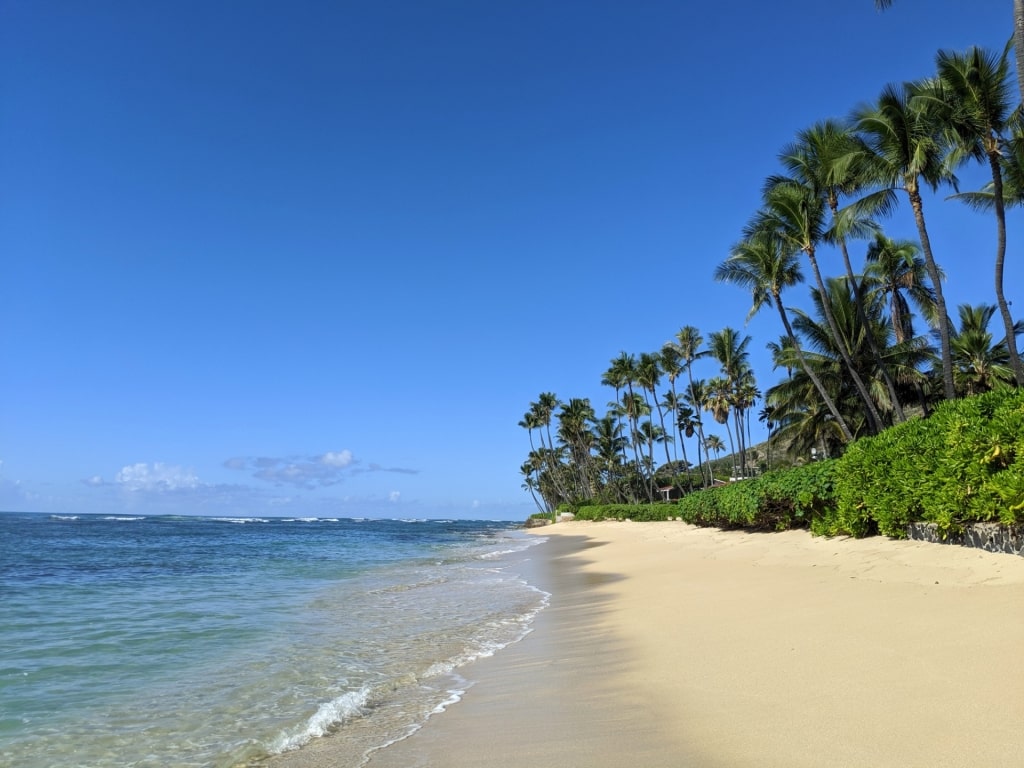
(827, 159)
(767, 417)
(685, 425)
(795, 213)
(766, 265)
(905, 151)
(719, 405)
(541, 414)
(731, 352)
(608, 447)
(688, 343)
(1018, 37)
(623, 374)
(972, 92)
(696, 394)
(648, 372)
(671, 366)
(620, 375)
(574, 430)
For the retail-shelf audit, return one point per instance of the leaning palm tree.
(766, 265)
(972, 94)
(795, 213)
(904, 152)
(827, 158)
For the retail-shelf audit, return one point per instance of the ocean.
(157, 642)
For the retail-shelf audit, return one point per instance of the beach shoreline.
(670, 645)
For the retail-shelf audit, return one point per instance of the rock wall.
(991, 537)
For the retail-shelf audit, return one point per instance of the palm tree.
(713, 443)
(731, 352)
(695, 395)
(530, 483)
(718, 403)
(979, 363)
(619, 376)
(574, 421)
(905, 152)
(688, 343)
(765, 266)
(1018, 37)
(827, 159)
(609, 445)
(671, 366)
(648, 376)
(685, 423)
(795, 213)
(767, 417)
(972, 92)
(896, 272)
(540, 416)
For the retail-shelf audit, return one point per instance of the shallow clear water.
(189, 641)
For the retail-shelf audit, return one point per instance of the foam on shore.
(669, 645)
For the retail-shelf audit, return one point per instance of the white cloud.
(159, 477)
(308, 472)
(95, 481)
(393, 496)
(339, 459)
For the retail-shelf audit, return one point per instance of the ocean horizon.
(145, 641)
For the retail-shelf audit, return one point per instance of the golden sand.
(669, 645)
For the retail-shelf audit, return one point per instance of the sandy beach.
(669, 645)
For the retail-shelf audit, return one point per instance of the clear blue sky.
(318, 257)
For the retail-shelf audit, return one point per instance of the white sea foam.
(123, 519)
(327, 715)
(63, 517)
(240, 520)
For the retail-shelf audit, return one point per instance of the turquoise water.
(189, 641)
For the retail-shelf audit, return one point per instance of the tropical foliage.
(868, 350)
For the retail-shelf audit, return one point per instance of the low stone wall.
(991, 537)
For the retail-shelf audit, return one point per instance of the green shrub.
(964, 464)
(787, 498)
(637, 512)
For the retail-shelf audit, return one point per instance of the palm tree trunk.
(1004, 309)
(874, 420)
(1018, 43)
(940, 300)
(826, 398)
(661, 418)
(700, 433)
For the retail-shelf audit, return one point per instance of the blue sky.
(318, 258)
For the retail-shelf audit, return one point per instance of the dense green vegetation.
(873, 361)
(962, 465)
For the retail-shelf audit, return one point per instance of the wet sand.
(668, 645)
